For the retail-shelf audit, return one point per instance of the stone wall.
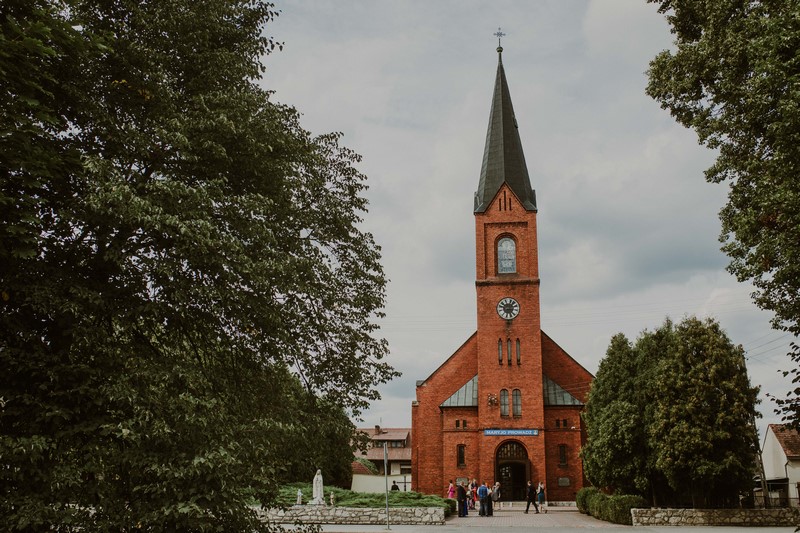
(716, 517)
(324, 514)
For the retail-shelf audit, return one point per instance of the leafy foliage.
(672, 417)
(615, 508)
(582, 498)
(188, 302)
(369, 465)
(616, 452)
(734, 78)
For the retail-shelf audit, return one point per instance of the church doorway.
(511, 470)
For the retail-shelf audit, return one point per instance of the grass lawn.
(347, 498)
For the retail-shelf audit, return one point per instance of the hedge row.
(615, 508)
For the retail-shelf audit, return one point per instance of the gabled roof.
(503, 159)
(392, 434)
(789, 439)
(466, 396)
(358, 468)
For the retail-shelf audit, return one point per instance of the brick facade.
(439, 430)
(552, 452)
(506, 405)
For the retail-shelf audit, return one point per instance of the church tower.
(506, 405)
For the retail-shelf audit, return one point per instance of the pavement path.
(554, 521)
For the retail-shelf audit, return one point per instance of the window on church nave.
(504, 402)
(517, 402)
(506, 256)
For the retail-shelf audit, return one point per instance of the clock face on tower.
(508, 308)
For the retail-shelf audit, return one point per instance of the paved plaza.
(555, 521)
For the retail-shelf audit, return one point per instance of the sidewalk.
(556, 520)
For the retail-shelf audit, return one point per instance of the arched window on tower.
(518, 353)
(517, 399)
(509, 351)
(500, 351)
(504, 402)
(506, 256)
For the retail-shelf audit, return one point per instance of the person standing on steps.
(461, 500)
(495, 496)
(483, 496)
(451, 490)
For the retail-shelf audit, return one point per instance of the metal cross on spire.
(499, 34)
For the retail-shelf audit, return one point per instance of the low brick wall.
(324, 514)
(716, 517)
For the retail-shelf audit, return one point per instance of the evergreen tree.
(615, 453)
(671, 418)
(702, 429)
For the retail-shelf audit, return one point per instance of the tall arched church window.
(500, 351)
(509, 351)
(518, 353)
(517, 402)
(506, 256)
(504, 402)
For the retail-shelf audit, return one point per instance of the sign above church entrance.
(511, 432)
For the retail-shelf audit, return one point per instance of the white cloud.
(627, 225)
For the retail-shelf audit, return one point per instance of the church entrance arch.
(511, 470)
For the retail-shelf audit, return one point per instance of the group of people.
(535, 496)
(473, 495)
(484, 497)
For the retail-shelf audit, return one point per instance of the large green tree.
(702, 429)
(671, 417)
(615, 454)
(188, 301)
(734, 77)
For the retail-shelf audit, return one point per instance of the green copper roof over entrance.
(555, 395)
(466, 396)
(503, 160)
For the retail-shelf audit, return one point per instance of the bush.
(581, 498)
(615, 508)
(618, 508)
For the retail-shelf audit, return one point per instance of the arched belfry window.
(506, 256)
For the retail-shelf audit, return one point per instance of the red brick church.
(506, 405)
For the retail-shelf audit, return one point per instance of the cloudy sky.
(628, 227)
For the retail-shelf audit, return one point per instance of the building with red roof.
(781, 457)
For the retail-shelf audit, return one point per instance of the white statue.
(299, 497)
(318, 494)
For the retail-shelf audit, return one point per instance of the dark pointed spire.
(503, 160)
